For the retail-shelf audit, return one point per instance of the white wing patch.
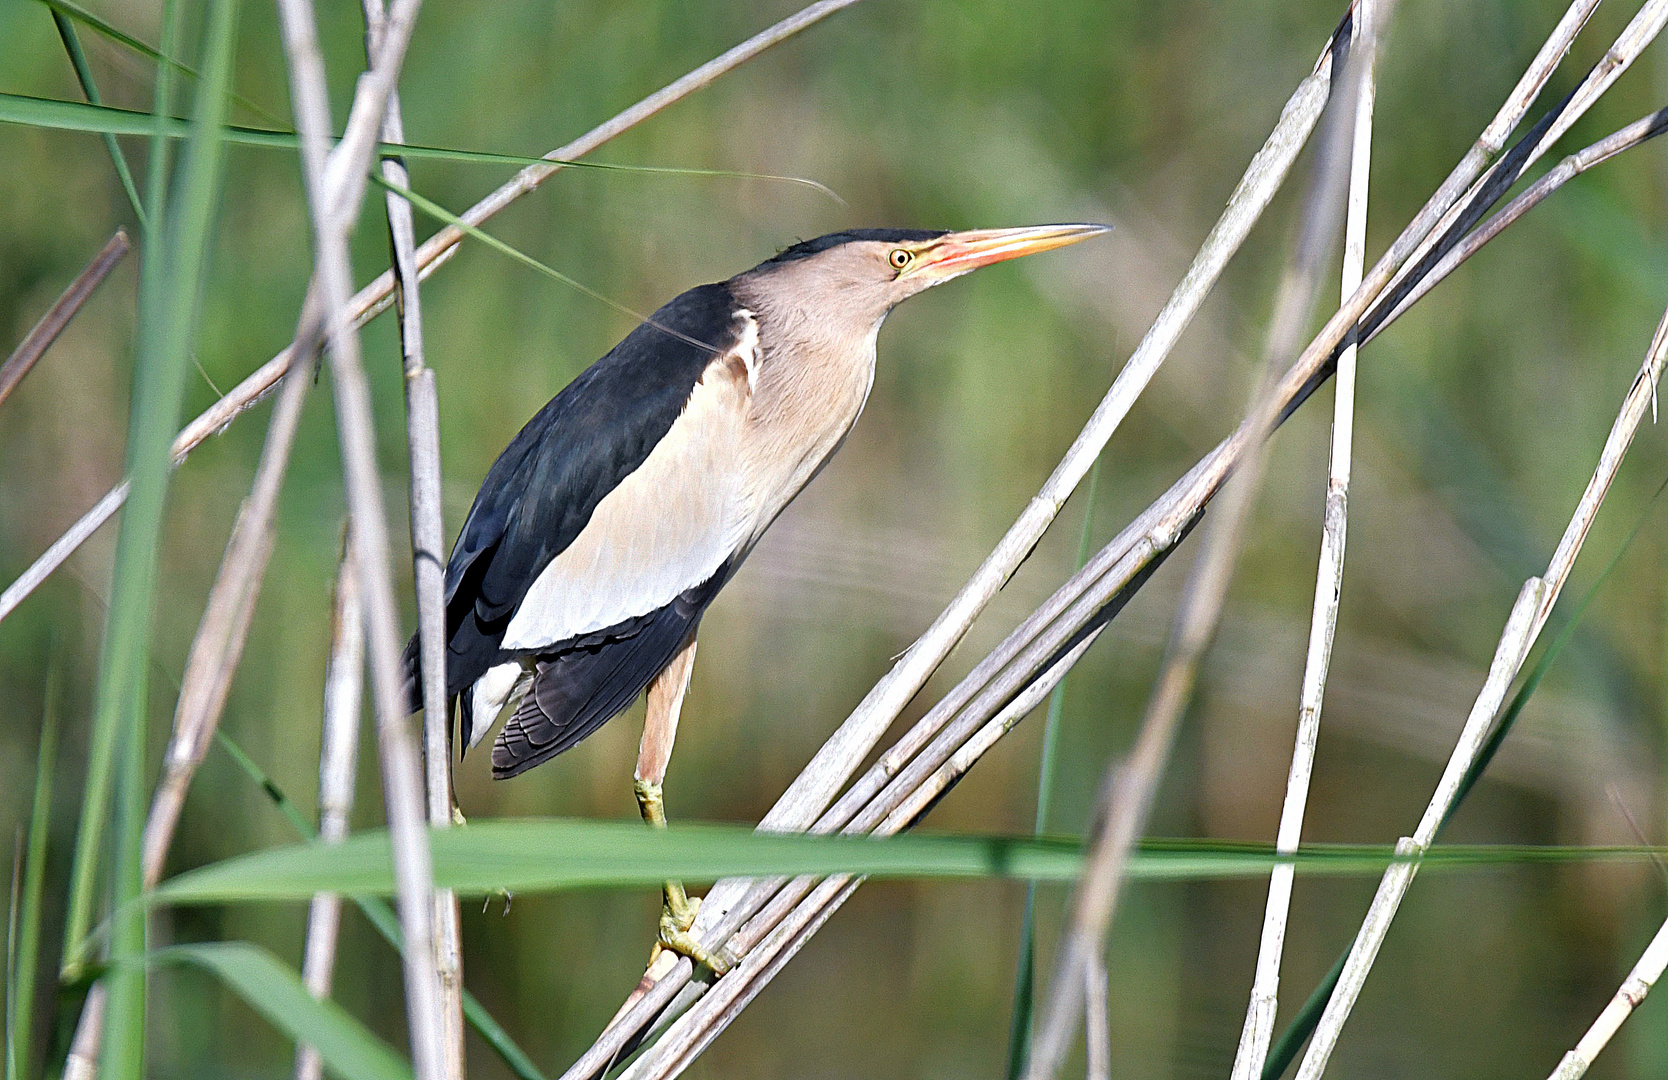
(491, 693)
(665, 528)
(748, 348)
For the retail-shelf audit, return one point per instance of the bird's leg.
(660, 729)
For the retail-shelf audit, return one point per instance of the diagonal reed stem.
(46, 331)
(84, 75)
(1628, 997)
(1078, 608)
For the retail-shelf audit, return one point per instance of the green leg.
(677, 913)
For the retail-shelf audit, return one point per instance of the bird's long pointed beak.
(956, 253)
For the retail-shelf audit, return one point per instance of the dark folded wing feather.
(542, 491)
(576, 691)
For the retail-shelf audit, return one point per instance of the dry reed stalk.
(731, 902)
(1628, 997)
(1569, 168)
(1264, 1004)
(46, 331)
(344, 684)
(218, 644)
(422, 406)
(335, 184)
(1529, 615)
(376, 297)
(223, 630)
(1097, 1024)
(207, 681)
(1131, 785)
(1095, 593)
(839, 757)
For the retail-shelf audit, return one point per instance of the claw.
(677, 915)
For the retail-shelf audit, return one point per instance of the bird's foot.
(677, 915)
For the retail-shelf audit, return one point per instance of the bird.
(612, 520)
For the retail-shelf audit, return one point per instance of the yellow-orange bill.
(959, 252)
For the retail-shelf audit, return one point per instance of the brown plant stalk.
(46, 331)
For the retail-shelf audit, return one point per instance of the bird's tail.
(576, 691)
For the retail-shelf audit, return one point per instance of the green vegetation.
(1481, 415)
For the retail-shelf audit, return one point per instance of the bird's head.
(856, 277)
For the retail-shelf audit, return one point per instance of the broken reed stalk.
(1264, 1004)
(1090, 597)
(1628, 997)
(422, 406)
(46, 331)
(376, 297)
(335, 184)
(1529, 615)
(1131, 785)
(344, 684)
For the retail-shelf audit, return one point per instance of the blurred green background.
(1481, 414)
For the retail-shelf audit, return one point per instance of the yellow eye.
(900, 259)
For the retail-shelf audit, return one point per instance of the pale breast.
(803, 407)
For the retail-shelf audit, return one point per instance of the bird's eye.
(900, 259)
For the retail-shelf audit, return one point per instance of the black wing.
(543, 488)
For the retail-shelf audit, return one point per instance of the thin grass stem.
(46, 331)
(34, 881)
(13, 1057)
(84, 74)
(164, 57)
